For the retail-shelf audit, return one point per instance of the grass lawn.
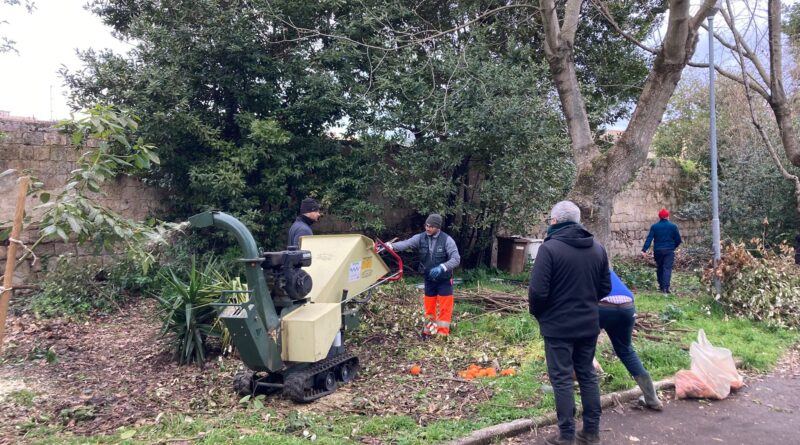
(507, 339)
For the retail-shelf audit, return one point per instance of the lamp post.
(713, 133)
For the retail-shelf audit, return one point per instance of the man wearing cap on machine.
(438, 257)
(309, 214)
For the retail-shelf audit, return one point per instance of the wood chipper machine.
(290, 333)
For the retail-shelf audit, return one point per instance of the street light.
(713, 130)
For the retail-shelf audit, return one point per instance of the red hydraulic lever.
(380, 246)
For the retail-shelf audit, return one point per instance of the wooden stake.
(11, 255)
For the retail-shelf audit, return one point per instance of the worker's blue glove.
(436, 271)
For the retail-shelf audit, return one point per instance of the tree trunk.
(780, 106)
(601, 176)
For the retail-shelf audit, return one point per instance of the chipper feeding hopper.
(290, 332)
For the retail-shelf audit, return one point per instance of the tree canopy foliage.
(440, 106)
(239, 112)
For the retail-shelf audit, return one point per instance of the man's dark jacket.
(570, 275)
(300, 227)
(665, 236)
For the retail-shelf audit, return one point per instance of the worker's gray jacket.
(415, 242)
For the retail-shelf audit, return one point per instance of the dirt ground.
(766, 411)
(96, 376)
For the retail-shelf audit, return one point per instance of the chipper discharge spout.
(291, 331)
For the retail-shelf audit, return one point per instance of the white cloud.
(46, 39)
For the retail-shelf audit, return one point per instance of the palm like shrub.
(187, 314)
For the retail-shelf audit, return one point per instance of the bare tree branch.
(736, 78)
(746, 50)
(552, 29)
(411, 39)
(775, 58)
(603, 8)
(570, 27)
(560, 53)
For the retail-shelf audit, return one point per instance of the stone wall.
(660, 184)
(35, 147)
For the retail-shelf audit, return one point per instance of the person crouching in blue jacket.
(617, 318)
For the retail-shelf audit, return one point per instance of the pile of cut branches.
(652, 327)
(493, 300)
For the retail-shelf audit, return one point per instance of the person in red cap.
(665, 237)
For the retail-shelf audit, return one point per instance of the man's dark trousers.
(563, 355)
(664, 260)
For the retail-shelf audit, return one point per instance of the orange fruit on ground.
(415, 370)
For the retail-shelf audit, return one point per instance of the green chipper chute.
(290, 332)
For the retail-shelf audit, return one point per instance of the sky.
(46, 39)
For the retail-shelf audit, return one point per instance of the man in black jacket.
(309, 214)
(569, 277)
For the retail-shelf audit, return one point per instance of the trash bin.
(533, 247)
(511, 255)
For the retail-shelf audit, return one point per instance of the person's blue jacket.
(618, 288)
(665, 234)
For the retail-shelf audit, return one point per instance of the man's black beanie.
(309, 205)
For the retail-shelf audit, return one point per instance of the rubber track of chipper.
(294, 386)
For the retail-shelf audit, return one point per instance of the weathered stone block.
(61, 248)
(41, 153)
(26, 153)
(32, 138)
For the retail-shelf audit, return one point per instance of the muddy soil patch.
(96, 376)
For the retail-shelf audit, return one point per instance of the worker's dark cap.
(434, 220)
(309, 205)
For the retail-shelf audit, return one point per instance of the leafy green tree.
(240, 96)
(239, 111)
(463, 142)
(463, 89)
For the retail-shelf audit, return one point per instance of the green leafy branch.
(111, 148)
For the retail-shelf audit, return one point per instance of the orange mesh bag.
(690, 385)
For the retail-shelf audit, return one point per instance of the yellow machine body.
(342, 266)
(308, 332)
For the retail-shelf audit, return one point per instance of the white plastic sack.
(714, 366)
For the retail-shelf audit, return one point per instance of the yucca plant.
(186, 311)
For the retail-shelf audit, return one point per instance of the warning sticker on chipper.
(355, 271)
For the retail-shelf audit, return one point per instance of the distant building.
(612, 135)
(6, 116)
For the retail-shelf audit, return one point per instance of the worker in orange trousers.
(438, 257)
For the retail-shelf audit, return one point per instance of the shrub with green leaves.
(75, 289)
(635, 273)
(187, 314)
(763, 285)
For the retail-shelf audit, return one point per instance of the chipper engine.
(290, 333)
